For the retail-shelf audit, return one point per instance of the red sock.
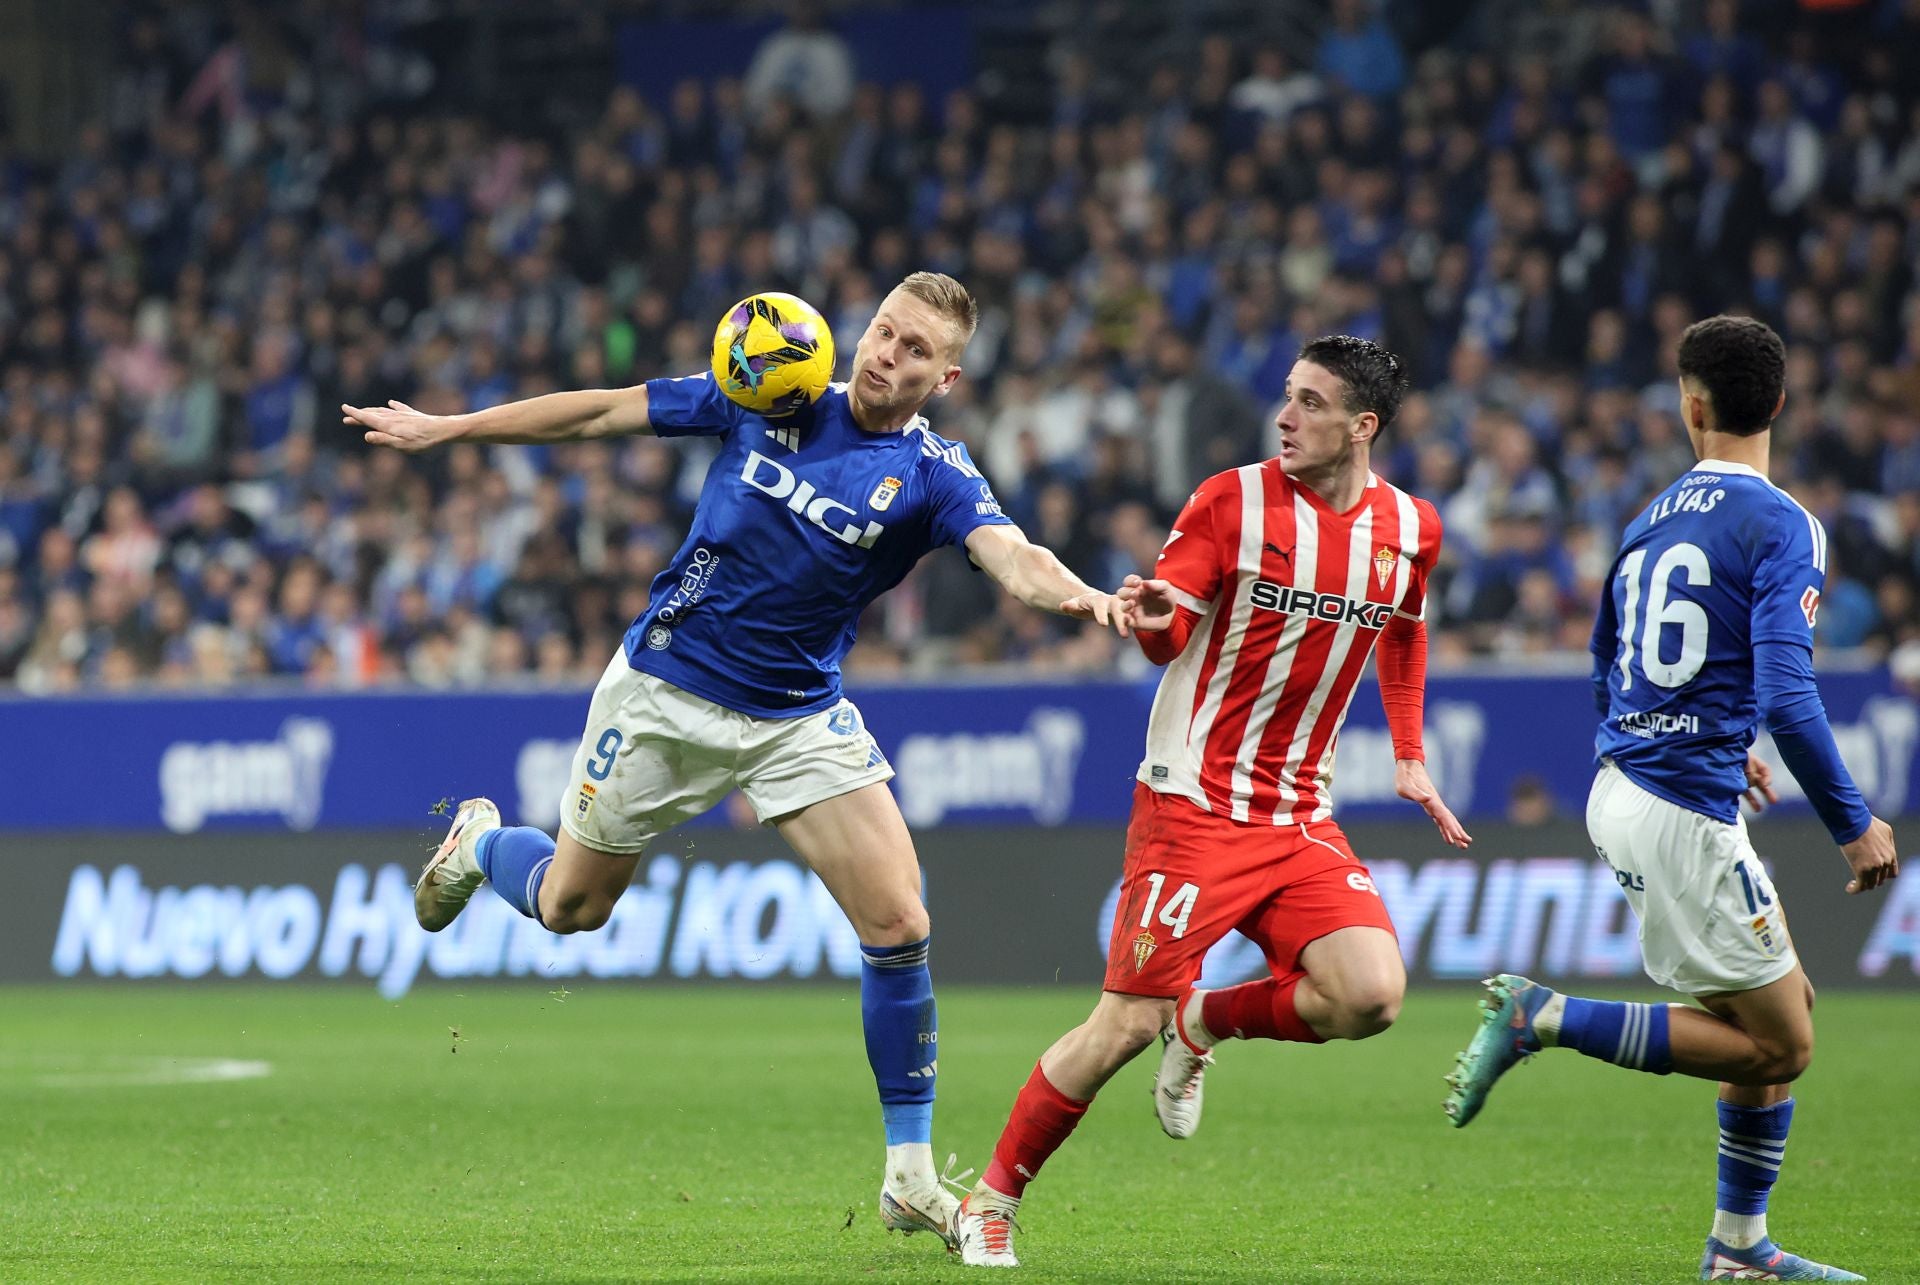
(1041, 1120)
(1261, 1010)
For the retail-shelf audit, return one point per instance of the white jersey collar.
(1726, 466)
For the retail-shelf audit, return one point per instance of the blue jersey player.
(1708, 626)
(731, 678)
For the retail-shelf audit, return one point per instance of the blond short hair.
(948, 298)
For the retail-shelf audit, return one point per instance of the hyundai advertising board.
(1024, 905)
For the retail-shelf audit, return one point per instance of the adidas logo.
(925, 1072)
(788, 436)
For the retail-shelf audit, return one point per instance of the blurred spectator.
(1359, 52)
(803, 63)
(1529, 802)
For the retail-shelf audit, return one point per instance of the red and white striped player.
(1275, 586)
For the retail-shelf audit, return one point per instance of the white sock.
(985, 1195)
(911, 1164)
(1546, 1023)
(1739, 1231)
(1191, 1024)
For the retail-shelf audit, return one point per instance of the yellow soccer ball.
(773, 353)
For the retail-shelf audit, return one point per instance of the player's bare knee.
(1365, 1006)
(593, 914)
(1127, 1027)
(1143, 1025)
(899, 925)
(576, 912)
(1384, 1012)
(1789, 1061)
(1128, 1040)
(1367, 1013)
(1777, 1061)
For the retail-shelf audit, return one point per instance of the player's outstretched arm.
(554, 417)
(1033, 574)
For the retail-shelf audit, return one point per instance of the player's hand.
(1149, 603)
(1759, 783)
(1873, 857)
(401, 426)
(1105, 608)
(1411, 782)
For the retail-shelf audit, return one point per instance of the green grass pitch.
(620, 1132)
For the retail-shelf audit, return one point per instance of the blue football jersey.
(802, 522)
(1721, 560)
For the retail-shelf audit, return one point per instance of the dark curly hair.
(1743, 366)
(1374, 378)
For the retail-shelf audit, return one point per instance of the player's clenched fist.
(400, 426)
(1873, 857)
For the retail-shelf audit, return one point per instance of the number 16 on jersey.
(1662, 610)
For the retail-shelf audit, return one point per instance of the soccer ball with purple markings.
(773, 353)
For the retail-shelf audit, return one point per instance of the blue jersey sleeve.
(1788, 576)
(1783, 685)
(691, 406)
(1605, 646)
(1787, 579)
(959, 499)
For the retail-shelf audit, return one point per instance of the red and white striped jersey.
(1290, 597)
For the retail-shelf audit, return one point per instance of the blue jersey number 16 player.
(731, 677)
(1708, 625)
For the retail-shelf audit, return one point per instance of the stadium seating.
(1527, 206)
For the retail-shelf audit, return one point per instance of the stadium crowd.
(273, 217)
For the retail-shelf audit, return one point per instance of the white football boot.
(1178, 1086)
(452, 875)
(911, 1202)
(985, 1227)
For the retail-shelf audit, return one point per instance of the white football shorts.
(654, 755)
(1710, 920)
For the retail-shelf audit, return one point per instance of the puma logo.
(1285, 555)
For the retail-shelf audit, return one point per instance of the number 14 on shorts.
(1178, 909)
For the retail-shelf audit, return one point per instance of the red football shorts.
(1192, 877)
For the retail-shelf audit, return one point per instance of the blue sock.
(515, 859)
(1753, 1142)
(1629, 1035)
(903, 1036)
